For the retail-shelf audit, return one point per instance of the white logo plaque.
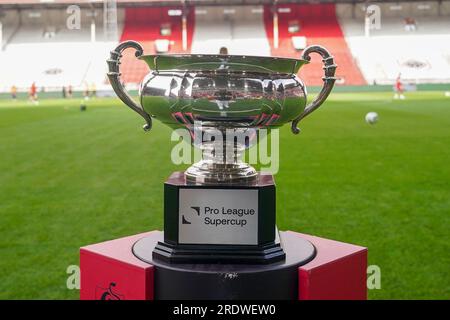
(218, 216)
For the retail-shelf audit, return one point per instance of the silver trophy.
(221, 210)
(222, 93)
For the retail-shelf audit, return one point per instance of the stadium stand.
(47, 52)
(147, 25)
(319, 24)
(428, 62)
(10, 25)
(69, 57)
(239, 29)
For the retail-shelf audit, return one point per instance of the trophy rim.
(186, 62)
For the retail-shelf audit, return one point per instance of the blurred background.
(63, 43)
(75, 167)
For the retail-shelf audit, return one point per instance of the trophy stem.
(222, 159)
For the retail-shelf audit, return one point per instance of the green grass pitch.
(71, 178)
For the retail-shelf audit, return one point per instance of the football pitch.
(71, 178)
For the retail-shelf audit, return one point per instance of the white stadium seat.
(162, 45)
(299, 43)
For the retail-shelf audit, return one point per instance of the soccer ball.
(372, 117)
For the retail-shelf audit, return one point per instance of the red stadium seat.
(143, 25)
(318, 23)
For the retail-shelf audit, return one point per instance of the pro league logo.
(197, 211)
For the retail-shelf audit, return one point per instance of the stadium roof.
(60, 3)
(153, 2)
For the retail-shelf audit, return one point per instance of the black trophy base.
(202, 223)
(218, 253)
(189, 281)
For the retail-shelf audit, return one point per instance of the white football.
(372, 117)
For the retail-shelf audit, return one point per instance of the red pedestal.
(109, 270)
(113, 262)
(338, 272)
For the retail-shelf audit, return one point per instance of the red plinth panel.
(338, 272)
(110, 271)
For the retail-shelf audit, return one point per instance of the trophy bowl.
(227, 94)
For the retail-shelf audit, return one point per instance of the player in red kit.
(33, 94)
(398, 89)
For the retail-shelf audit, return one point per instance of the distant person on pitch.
(398, 89)
(14, 93)
(33, 94)
(69, 92)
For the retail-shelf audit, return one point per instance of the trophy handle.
(328, 82)
(114, 79)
